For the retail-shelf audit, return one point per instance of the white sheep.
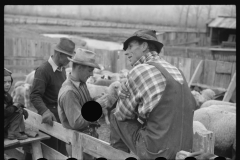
(205, 95)
(30, 77)
(223, 125)
(96, 90)
(104, 82)
(216, 102)
(21, 93)
(108, 99)
(198, 127)
(227, 108)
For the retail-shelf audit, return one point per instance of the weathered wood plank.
(77, 146)
(92, 144)
(56, 130)
(41, 136)
(185, 66)
(194, 64)
(209, 72)
(233, 69)
(15, 153)
(222, 80)
(8, 142)
(197, 73)
(224, 67)
(230, 89)
(51, 154)
(203, 141)
(36, 150)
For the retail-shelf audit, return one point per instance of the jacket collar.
(147, 57)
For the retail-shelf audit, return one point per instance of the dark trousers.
(128, 136)
(14, 124)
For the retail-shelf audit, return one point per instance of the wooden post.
(230, 89)
(196, 73)
(77, 149)
(37, 150)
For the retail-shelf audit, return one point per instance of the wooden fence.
(80, 142)
(23, 54)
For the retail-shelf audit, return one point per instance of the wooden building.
(222, 32)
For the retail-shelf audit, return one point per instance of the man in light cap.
(47, 82)
(154, 115)
(74, 94)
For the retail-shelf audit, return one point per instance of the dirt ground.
(107, 34)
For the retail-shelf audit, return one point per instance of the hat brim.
(59, 50)
(94, 65)
(158, 44)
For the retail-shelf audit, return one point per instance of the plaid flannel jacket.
(146, 85)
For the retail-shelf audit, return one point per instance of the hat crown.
(7, 72)
(146, 34)
(66, 46)
(84, 55)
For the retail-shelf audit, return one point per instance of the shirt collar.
(74, 81)
(53, 64)
(145, 58)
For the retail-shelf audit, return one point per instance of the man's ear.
(144, 46)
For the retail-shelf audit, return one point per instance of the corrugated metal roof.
(223, 22)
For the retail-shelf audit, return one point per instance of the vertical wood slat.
(194, 64)
(77, 149)
(209, 72)
(185, 66)
(197, 73)
(222, 74)
(230, 89)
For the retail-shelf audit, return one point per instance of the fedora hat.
(84, 57)
(145, 34)
(65, 46)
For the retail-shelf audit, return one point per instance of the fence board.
(57, 131)
(233, 69)
(194, 64)
(224, 67)
(185, 66)
(51, 154)
(209, 72)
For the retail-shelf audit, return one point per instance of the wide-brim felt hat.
(65, 46)
(144, 34)
(85, 57)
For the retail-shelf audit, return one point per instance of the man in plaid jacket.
(156, 118)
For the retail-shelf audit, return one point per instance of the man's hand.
(123, 92)
(48, 117)
(19, 108)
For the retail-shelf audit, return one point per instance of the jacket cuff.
(42, 110)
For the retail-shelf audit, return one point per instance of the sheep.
(94, 78)
(30, 77)
(216, 102)
(198, 126)
(227, 108)
(109, 98)
(104, 82)
(96, 90)
(22, 92)
(223, 125)
(205, 95)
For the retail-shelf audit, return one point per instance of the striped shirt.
(146, 85)
(72, 96)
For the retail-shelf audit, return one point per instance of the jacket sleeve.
(72, 109)
(38, 89)
(9, 110)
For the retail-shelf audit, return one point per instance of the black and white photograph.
(120, 82)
